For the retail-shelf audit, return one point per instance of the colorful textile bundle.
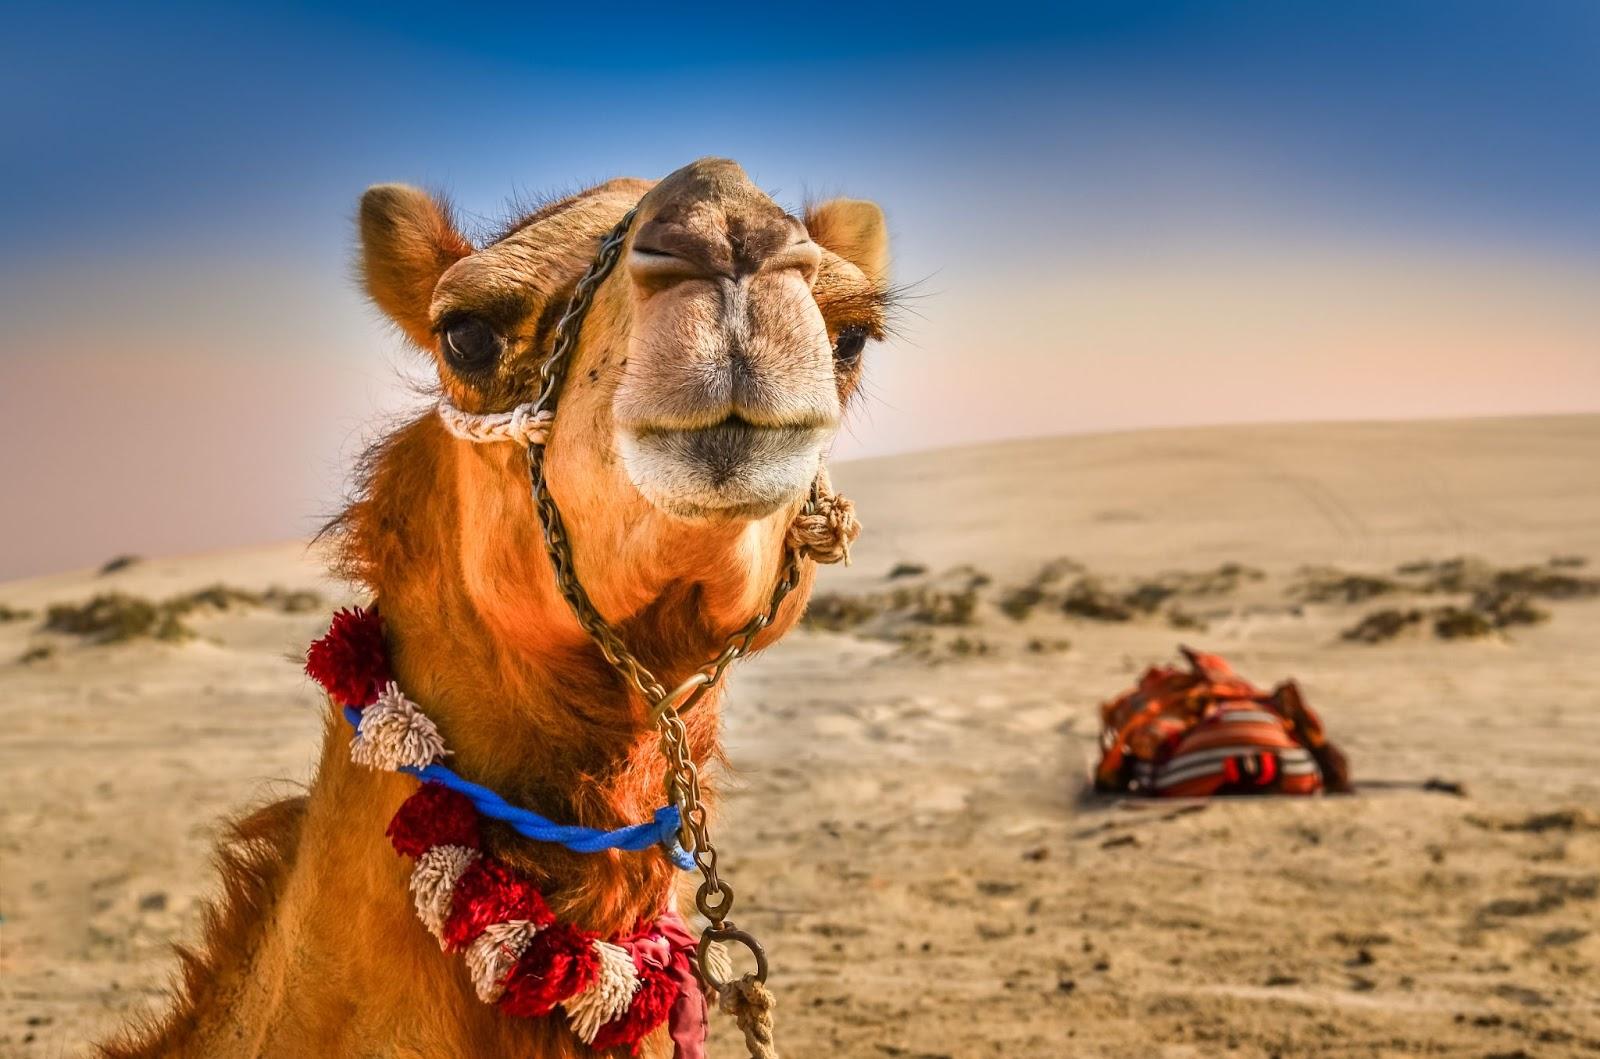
(1205, 730)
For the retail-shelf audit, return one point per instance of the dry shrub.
(1486, 615)
(1088, 598)
(1382, 625)
(924, 606)
(928, 645)
(121, 562)
(116, 617)
(1467, 575)
(1018, 603)
(904, 569)
(1328, 585)
(1508, 608)
(835, 612)
(227, 597)
(1461, 623)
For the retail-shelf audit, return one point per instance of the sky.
(1109, 216)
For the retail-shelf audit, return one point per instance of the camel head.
(708, 383)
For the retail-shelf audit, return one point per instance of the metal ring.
(722, 934)
(678, 696)
(714, 912)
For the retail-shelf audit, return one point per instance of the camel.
(705, 389)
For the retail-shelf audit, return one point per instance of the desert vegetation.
(1493, 599)
(965, 612)
(119, 617)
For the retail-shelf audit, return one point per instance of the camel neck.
(553, 731)
(480, 638)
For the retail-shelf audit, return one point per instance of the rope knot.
(750, 1003)
(826, 532)
(527, 426)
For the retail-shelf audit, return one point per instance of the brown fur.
(407, 237)
(314, 949)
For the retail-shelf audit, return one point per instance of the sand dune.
(908, 829)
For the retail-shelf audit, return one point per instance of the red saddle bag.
(1201, 730)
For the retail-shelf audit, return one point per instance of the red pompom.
(658, 990)
(487, 893)
(351, 662)
(434, 816)
(559, 963)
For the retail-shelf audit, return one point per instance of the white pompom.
(394, 732)
(491, 957)
(433, 884)
(608, 996)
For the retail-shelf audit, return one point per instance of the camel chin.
(732, 470)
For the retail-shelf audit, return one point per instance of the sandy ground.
(908, 831)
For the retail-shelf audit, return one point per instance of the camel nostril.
(803, 256)
(666, 252)
(654, 268)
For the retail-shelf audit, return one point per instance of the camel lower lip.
(732, 468)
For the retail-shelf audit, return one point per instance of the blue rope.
(662, 831)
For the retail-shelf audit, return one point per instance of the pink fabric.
(687, 1021)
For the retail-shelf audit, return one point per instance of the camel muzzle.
(733, 468)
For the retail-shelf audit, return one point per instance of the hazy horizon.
(314, 520)
(1110, 218)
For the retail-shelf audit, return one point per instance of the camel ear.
(855, 230)
(408, 239)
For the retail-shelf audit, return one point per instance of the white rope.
(522, 424)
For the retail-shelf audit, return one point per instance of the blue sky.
(1333, 210)
(179, 121)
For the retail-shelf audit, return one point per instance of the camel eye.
(471, 345)
(851, 341)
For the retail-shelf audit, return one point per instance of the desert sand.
(908, 827)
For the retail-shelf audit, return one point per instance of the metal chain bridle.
(714, 898)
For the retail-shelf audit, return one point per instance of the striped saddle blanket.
(1202, 730)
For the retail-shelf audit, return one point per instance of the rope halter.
(522, 424)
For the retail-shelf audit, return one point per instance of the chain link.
(554, 368)
(714, 898)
